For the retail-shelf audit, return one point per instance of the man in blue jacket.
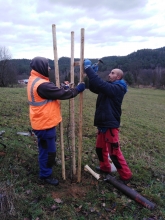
(107, 119)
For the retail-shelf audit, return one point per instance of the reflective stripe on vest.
(33, 102)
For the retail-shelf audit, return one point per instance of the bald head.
(119, 73)
(115, 74)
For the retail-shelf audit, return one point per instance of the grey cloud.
(115, 5)
(108, 22)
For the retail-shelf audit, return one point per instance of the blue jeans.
(47, 150)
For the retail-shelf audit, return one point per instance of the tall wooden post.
(58, 85)
(72, 113)
(80, 106)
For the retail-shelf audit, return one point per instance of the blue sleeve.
(100, 85)
(93, 89)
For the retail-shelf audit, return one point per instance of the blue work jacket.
(109, 100)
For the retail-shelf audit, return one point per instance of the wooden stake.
(80, 107)
(58, 85)
(72, 118)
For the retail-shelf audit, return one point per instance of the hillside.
(146, 59)
(146, 66)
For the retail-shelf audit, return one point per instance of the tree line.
(143, 67)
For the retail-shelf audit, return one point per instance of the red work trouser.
(108, 143)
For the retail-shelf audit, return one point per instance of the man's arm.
(102, 86)
(93, 89)
(50, 91)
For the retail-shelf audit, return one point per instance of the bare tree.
(7, 72)
(162, 81)
(134, 67)
(154, 77)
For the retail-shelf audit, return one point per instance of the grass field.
(142, 136)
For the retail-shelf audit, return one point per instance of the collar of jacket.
(35, 73)
(122, 83)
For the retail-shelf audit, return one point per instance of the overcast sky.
(112, 27)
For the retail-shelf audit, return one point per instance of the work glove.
(95, 67)
(66, 87)
(63, 85)
(80, 87)
(87, 63)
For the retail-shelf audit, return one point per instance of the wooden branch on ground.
(96, 175)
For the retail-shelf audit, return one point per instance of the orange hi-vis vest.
(44, 113)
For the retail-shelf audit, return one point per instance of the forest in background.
(143, 67)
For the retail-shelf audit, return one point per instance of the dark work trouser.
(108, 143)
(47, 150)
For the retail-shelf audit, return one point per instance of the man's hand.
(66, 82)
(65, 85)
(80, 87)
(87, 63)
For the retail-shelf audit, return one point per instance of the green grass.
(142, 137)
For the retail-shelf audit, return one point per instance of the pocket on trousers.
(99, 154)
(43, 144)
